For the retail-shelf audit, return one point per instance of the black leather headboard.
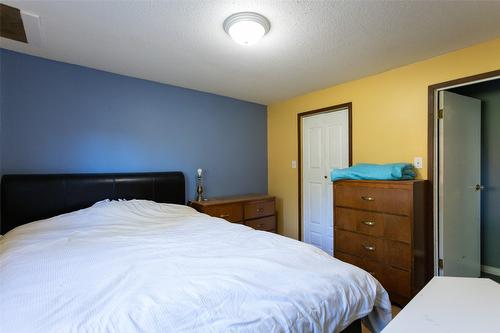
(27, 198)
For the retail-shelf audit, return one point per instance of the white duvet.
(140, 266)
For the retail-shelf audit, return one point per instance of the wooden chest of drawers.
(258, 212)
(382, 227)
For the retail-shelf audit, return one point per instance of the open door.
(459, 185)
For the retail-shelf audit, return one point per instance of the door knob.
(479, 187)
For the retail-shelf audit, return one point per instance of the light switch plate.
(418, 162)
(294, 164)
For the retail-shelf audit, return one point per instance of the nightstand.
(256, 211)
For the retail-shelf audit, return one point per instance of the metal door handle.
(479, 187)
(369, 223)
(367, 198)
(369, 247)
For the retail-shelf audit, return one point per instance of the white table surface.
(451, 304)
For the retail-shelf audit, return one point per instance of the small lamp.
(199, 185)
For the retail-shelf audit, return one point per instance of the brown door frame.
(431, 116)
(328, 109)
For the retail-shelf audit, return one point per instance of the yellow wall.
(389, 119)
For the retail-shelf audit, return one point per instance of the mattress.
(141, 266)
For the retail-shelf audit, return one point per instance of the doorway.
(324, 144)
(466, 171)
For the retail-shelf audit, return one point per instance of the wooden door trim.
(333, 108)
(432, 89)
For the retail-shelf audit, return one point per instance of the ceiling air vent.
(20, 26)
(11, 24)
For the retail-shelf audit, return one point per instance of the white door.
(459, 174)
(325, 145)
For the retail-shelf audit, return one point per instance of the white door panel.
(325, 142)
(315, 148)
(460, 172)
(336, 142)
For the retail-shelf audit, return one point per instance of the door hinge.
(441, 263)
(440, 114)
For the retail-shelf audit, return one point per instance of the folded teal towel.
(393, 171)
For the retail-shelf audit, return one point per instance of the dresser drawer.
(396, 281)
(397, 254)
(383, 227)
(372, 267)
(392, 253)
(230, 212)
(393, 227)
(392, 279)
(394, 200)
(359, 245)
(259, 209)
(264, 223)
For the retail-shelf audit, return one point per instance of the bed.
(122, 253)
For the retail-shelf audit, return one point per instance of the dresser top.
(406, 182)
(381, 183)
(232, 199)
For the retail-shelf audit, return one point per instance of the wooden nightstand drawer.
(259, 209)
(264, 223)
(230, 212)
(256, 211)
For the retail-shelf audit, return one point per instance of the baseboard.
(490, 270)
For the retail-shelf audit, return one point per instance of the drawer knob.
(369, 247)
(223, 216)
(365, 198)
(260, 210)
(369, 223)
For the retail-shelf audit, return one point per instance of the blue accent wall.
(62, 118)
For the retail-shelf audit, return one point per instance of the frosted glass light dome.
(246, 28)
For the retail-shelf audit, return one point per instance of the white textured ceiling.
(311, 45)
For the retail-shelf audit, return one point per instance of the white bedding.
(140, 266)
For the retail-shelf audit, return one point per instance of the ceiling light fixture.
(246, 28)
